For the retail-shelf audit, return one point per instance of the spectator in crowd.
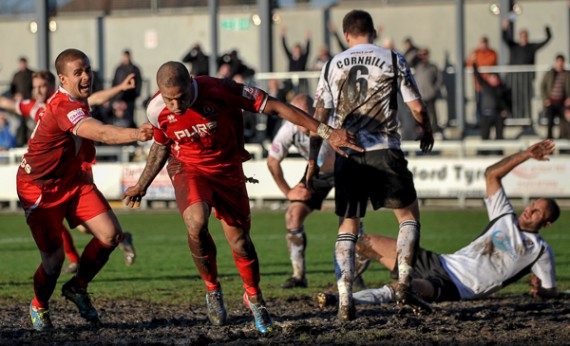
(482, 56)
(339, 38)
(199, 61)
(322, 58)
(21, 89)
(7, 139)
(236, 65)
(117, 115)
(555, 92)
(21, 85)
(297, 59)
(495, 103)
(388, 43)
(281, 93)
(522, 53)
(411, 52)
(224, 71)
(129, 96)
(429, 80)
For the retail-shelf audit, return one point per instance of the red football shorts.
(226, 193)
(47, 206)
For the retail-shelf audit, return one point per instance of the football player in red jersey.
(198, 128)
(52, 185)
(43, 88)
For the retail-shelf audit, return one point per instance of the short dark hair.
(173, 73)
(45, 75)
(560, 56)
(68, 55)
(554, 209)
(358, 23)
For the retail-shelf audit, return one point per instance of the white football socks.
(344, 251)
(407, 243)
(296, 242)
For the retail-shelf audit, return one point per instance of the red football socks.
(44, 285)
(92, 260)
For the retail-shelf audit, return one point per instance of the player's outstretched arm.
(420, 114)
(336, 137)
(100, 97)
(495, 173)
(8, 104)
(110, 134)
(156, 160)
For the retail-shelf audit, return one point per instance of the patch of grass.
(164, 270)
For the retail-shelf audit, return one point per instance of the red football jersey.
(210, 133)
(55, 152)
(30, 108)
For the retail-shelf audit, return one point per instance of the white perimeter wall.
(433, 177)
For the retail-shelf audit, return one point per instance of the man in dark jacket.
(198, 60)
(495, 103)
(129, 96)
(555, 92)
(522, 52)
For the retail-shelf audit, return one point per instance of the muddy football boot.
(216, 311)
(326, 299)
(128, 249)
(40, 319)
(407, 296)
(260, 314)
(81, 299)
(293, 282)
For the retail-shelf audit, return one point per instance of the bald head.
(172, 74)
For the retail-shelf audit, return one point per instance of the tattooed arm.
(156, 159)
(495, 173)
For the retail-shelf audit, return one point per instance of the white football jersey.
(499, 256)
(358, 84)
(290, 135)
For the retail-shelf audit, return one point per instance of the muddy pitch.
(500, 320)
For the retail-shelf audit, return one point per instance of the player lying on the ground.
(509, 248)
(43, 83)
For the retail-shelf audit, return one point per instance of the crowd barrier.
(455, 170)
